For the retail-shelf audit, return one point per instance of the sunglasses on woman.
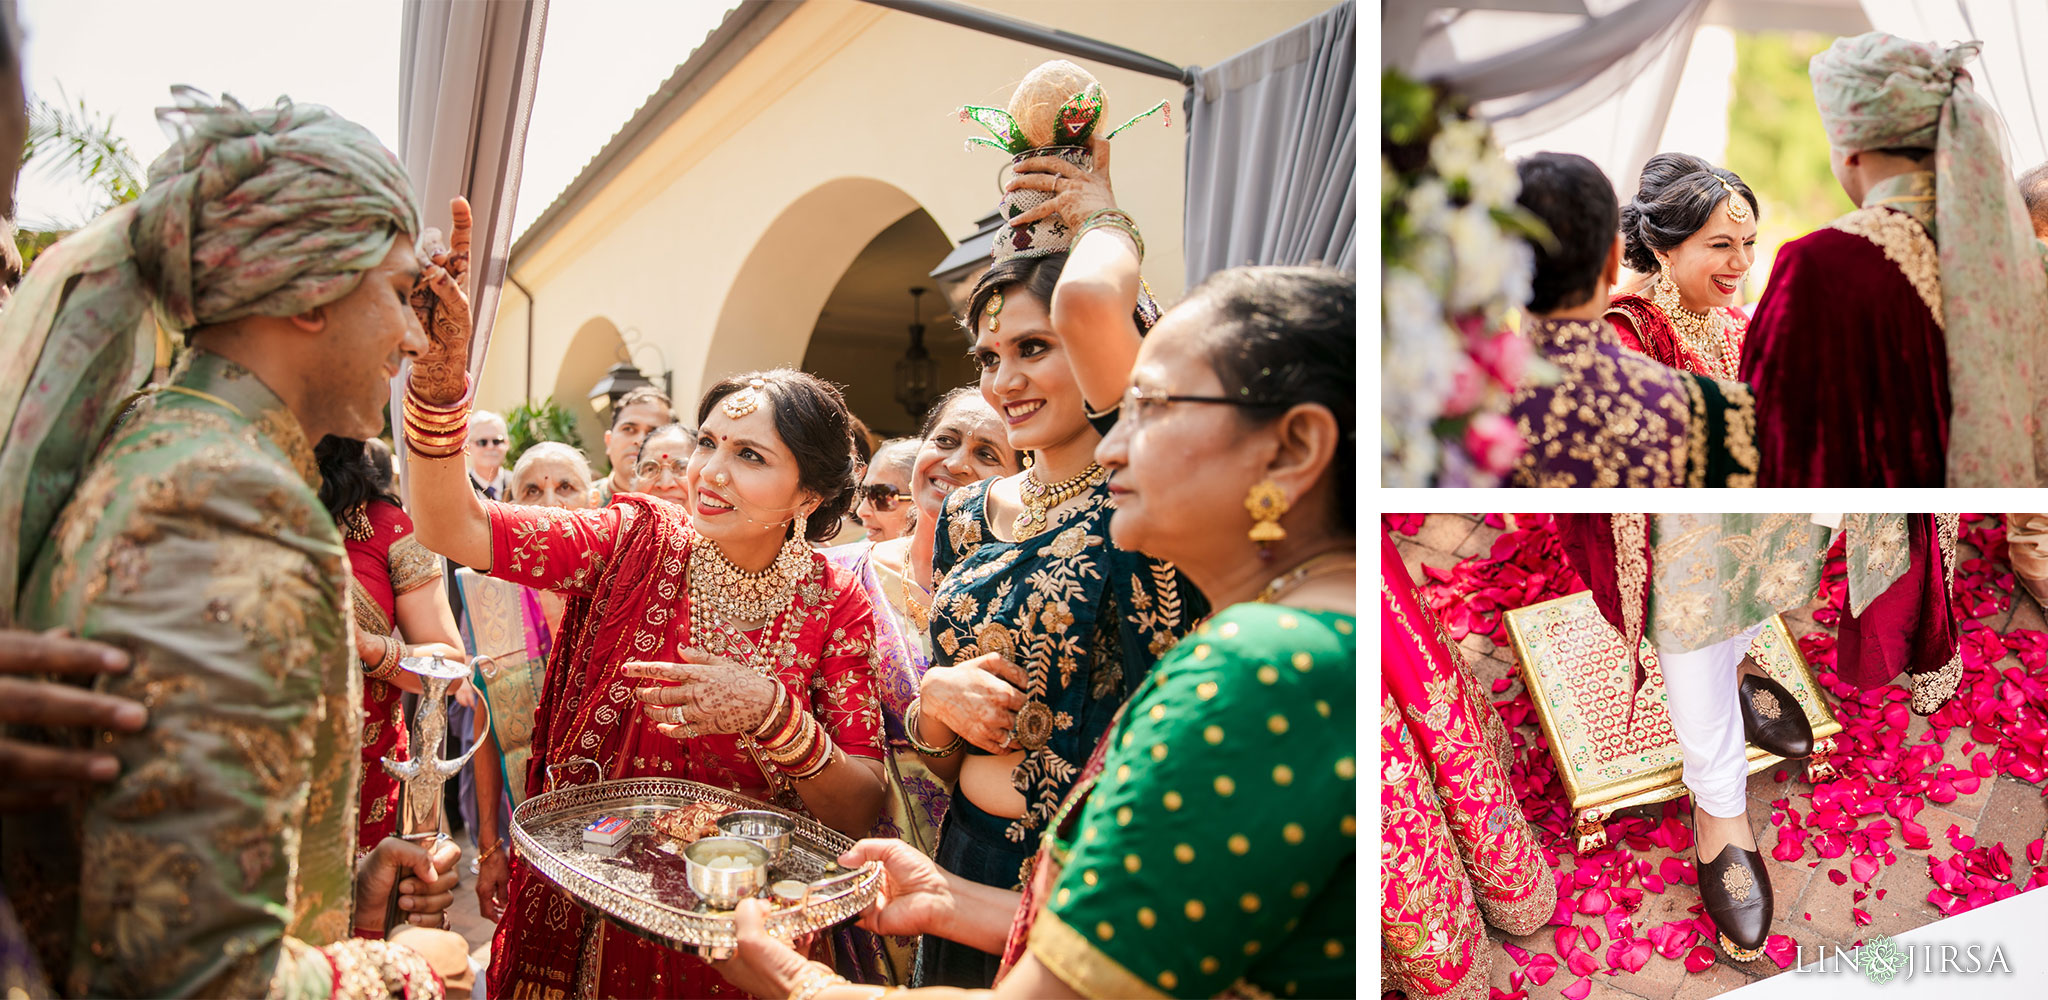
(883, 496)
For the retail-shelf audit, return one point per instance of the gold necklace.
(722, 595)
(1703, 333)
(1301, 574)
(1039, 499)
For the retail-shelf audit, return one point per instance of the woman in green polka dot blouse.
(1210, 846)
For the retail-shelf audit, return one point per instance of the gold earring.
(1266, 502)
(1664, 291)
(803, 526)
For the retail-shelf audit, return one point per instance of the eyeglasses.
(883, 496)
(490, 442)
(1139, 402)
(650, 468)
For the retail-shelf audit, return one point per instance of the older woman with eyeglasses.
(664, 461)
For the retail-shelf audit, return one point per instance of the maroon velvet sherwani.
(1847, 361)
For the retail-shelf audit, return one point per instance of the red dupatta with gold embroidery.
(625, 568)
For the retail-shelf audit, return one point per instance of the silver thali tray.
(641, 883)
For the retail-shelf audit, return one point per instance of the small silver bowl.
(723, 888)
(771, 830)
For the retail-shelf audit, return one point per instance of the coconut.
(1036, 106)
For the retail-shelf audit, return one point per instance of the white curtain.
(1594, 78)
(2012, 79)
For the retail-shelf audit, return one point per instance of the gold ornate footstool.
(1578, 676)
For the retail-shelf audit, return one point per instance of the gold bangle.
(917, 743)
(488, 851)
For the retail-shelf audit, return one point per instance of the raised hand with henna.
(441, 298)
(34, 774)
(1076, 193)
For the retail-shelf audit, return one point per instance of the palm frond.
(69, 137)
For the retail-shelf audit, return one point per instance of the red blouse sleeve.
(1625, 330)
(848, 701)
(549, 548)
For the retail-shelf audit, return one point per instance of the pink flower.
(1494, 442)
(1505, 357)
(1468, 387)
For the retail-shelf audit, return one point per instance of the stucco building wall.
(718, 243)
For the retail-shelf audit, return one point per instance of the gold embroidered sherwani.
(221, 859)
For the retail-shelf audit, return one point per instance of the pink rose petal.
(1566, 939)
(1594, 902)
(1781, 950)
(1581, 964)
(1519, 954)
(1863, 869)
(1618, 925)
(1862, 918)
(1835, 875)
(1541, 969)
(1699, 959)
(1628, 956)
(1578, 990)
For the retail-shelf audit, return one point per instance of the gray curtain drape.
(468, 72)
(1273, 152)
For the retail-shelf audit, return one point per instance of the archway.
(772, 307)
(863, 328)
(596, 346)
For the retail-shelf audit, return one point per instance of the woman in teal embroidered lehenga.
(1041, 627)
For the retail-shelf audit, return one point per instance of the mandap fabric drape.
(1273, 152)
(467, 73)
(1601, 87)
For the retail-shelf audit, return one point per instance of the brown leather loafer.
(1737, 891)
(1772, 718)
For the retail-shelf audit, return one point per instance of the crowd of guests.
(1893, 347)
(1075, 665)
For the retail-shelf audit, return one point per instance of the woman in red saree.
(766, 647)
(1690, 232)
(396, 590)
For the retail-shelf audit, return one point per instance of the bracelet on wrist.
(1111, 218)
(911, 717)
(387, 667)
(817, 978)
(776, 720)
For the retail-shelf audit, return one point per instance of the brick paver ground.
(1810, 907)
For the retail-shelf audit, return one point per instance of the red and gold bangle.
(795, 741)
(387, 667)
(813, 764)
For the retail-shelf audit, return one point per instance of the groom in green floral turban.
(1900, 346)
(186, 530)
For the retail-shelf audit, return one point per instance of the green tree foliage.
(1775, 140)
(530, 423)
